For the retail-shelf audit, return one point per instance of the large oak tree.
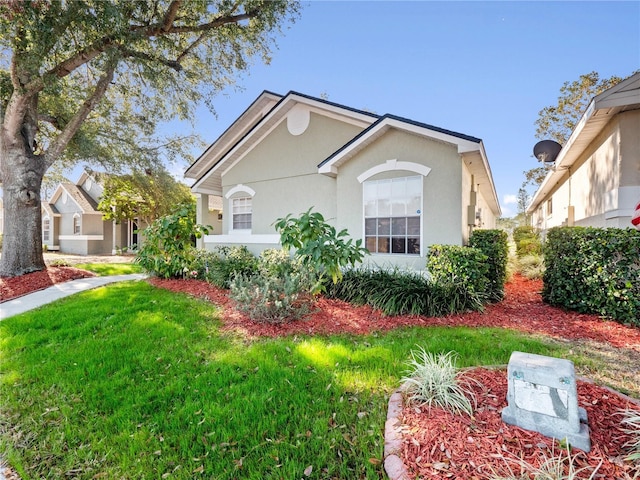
(91, 79)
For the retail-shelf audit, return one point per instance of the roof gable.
(211, 180)
(85, 203)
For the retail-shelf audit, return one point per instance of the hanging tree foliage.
(91, 79)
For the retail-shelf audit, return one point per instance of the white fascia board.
(206, 191)
(59, 191)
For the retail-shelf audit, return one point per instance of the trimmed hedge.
(594, 270)
(494, 244)
(453, 263)
(527, 240)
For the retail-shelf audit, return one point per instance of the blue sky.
(480, 68)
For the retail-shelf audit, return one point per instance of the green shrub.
(453, 264)
(274, 296)
(494, 244)
(318, 244)
(168, 249)
(531, 266)
(220, 265)
(593, 270)
(397, 292)
(527, 240)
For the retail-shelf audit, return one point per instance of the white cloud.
(510, 199)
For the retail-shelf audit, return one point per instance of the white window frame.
(391, 216)
(46, 229)
(237, 193)
(77, 224)
(233, 203)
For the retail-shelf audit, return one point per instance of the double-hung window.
(76, 224)
(392, 210)
(241, 213)
(46, 229)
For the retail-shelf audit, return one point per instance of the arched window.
(392, 215)
(241, 208)
(76, 224)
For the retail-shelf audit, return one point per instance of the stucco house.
(397, 184)
(72, 223)
(596, 177)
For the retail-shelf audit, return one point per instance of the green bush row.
(527, 240)
(594, 270)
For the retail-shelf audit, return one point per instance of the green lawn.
(130, 381)
(103, 269)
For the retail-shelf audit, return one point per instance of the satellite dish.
(546, 151)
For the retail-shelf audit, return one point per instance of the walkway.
(57, 291)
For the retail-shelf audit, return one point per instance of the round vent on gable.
(298, 120)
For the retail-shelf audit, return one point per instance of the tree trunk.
(21, 175)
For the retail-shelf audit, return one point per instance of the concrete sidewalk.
(57, 291)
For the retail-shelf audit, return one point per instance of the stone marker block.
(542, 396)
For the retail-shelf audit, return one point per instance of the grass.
(104, 269)
(130, 381)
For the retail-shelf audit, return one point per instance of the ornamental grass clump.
(554, 467)
(631, 423)
(433, 380)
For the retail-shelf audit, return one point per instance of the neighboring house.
(72, 223)
(398, 184)
(596, 178)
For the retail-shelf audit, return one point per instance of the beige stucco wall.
(283, 171)
(603, 185)
(441, 221)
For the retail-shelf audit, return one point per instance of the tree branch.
(61, 142)
(171, 14)
(174, 64)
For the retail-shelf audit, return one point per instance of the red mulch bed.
(13, 287)
(438, 445)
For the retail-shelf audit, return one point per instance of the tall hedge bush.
(593, 270)
(467, 265)
(494, 244)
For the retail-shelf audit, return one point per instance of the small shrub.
(631, 422)
(222, 264)
(272, 299)
(433, 380)
(531, 266)
(168, 251)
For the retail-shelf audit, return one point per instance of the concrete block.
(542, 396)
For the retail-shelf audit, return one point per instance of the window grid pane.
(392, 215)
(241, 213)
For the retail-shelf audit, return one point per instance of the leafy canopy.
(147, 195)
(102, 74)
